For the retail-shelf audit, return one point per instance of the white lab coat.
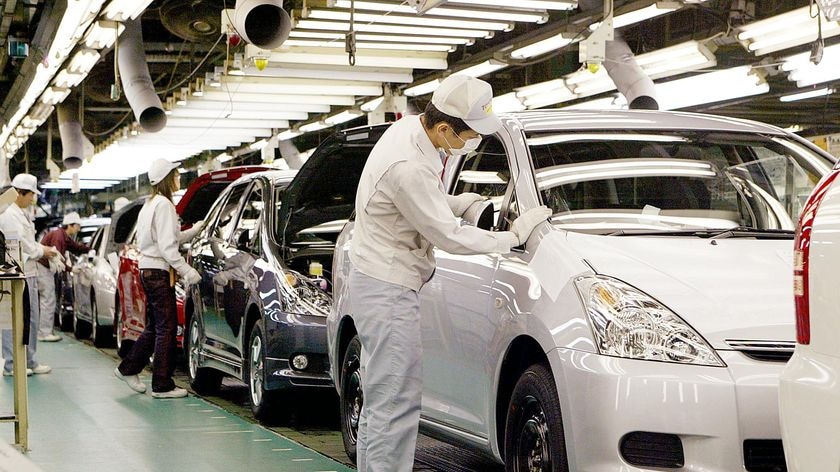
(15, 220)
(403, 212)
(158, 236)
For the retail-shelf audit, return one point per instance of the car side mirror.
(91, 255)
(480, 214)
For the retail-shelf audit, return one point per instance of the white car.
(809, 394)
(644, 327)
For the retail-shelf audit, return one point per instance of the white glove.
(191, 278)
(525, 224)
(459, 203)
(189, 234)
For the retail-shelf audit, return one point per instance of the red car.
(192, 207)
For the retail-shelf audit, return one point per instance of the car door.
(83, 276)
(209, 254)
(455, 309)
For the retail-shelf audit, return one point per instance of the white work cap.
(26, 182)
(470, 99)
(159, 169)
(120, 202)
(71, 218)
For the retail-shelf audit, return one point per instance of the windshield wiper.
(736, 232)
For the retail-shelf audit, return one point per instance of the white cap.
(469, 99)
(71, 218)
(159, 169)
(120, 202)
(26, 182)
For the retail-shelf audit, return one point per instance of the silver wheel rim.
(94, 314)
(193, 356)
(119, 331)
(256, 370)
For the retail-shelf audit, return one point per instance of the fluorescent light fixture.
(257, 145)
(303, 86)
(545, 93)
(672, 60)
(123, 10)
(208, 123)
(368, 74)
(487, 67)
(373, 104)
(516, 14)
(532, 4)
(317, 43)
(103, 34)
(410, 20)
(711, 87)
(224, 157)
(54, 95)
(802, 71)
(507, 103)
(422, 89)
(343, 117)
(364, 58)
(337, 36)
(806, 95)
(267, 95)
(787, 30)
(315, 126)
(392, 29)
(187, 112)
(68, 80)
(218, 105)
(288, 134)
(544, 46)
(646, 13)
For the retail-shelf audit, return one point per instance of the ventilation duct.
(290, 153)
(136, 82)
(630, 80)
(263, 23)
(193, 20)
(70, 129)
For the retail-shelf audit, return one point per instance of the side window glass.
(227, 214)
(247, 231)
(486, 172)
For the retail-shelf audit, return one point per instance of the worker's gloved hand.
(192, 277)
(525, 224)
(460, 203)
(189, 234)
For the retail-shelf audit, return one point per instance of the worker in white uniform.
(16, 222)
(158, 236)
(402, 214)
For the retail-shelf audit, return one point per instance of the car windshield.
(610, 182)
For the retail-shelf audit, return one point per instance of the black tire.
(81, 329)
(264, 403)
(203, 380)
(103, 336)
(351, 398)
(534, 436)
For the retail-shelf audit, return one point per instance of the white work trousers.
(387, 319)
(31, 362)
(46, 291)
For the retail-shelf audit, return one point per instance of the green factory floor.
(83, 419)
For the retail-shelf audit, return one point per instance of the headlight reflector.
(629, 323)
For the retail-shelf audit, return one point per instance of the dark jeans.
(159, 335)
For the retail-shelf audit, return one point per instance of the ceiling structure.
(730, 57)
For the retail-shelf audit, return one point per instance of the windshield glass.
(603, 183)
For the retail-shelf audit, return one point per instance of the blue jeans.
(31, 362)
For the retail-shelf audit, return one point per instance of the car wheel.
(203, 380)
(534, 437)
(81, 329)
(262, 401)
(103, 336)
(351, 398)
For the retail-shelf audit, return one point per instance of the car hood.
(738, 288)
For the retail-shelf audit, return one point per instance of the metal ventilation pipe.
(70, 129)
(290, 153)
(138, 86)
(263, 23)
(630, 80)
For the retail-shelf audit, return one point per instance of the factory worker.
(402, 214)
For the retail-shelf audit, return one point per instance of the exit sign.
(831, 9)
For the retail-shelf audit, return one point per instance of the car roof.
(613, 120)
(277, 176)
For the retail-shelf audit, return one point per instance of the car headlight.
(629, 323)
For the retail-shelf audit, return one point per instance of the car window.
(485, 172)
(673, 180)
(248, 227)
(226, 220)
(125, 224)
(96, 239)
(201, 201)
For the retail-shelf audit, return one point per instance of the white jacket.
(15, 221)
(402, 212)
(158, 236)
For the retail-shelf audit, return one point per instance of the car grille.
(764, 455)
(644, 449)
(769, 351)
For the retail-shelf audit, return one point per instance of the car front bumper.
(809, 397)
(719, 414)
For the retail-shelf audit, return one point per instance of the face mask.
(469, 146)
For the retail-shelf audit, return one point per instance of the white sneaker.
(131, 380)
(50, 338)
(41, 369)
(8, 373)
(174, 393)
